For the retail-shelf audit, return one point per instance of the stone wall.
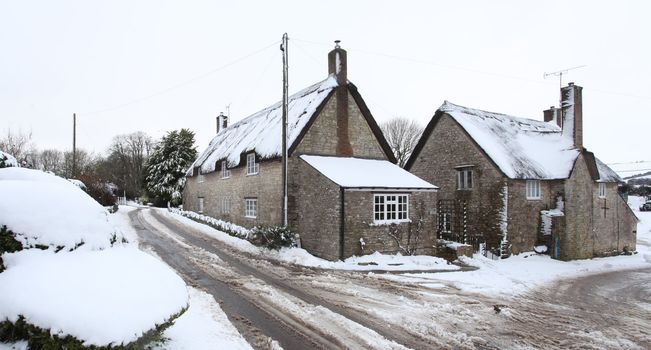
(448, 147)
(524, 222)
(614, 223)
(266, 186)
(321, 138)
(317, 218)
(358, 208)
(577, 243)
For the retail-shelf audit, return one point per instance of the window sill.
(226, 178)
(602, 197)
(250, 217)
(534, 198)
(252, 174)
(389, 222)
(464, 189)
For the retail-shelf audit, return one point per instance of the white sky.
(60, 57)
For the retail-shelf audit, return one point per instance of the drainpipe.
(342, 222)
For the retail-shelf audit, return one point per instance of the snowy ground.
(430, 295)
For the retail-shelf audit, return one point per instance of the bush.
(8, 244)
(99, 190)
(39, 338)
(272, 237)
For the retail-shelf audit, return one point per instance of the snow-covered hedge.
(86, 287)
(224, 226)
(48, 211)
(7, 160)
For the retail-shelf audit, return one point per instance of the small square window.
(533, 189)
(226, 172)
(251, 165)
(602, 190)
(251, 207)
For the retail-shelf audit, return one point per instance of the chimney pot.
(570, 83)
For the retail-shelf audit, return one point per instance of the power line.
(470, 70)
(179, 85)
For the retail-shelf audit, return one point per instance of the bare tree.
(408, 239)
(19, 145)
(51, 160)
(402, 134)
(125, 164)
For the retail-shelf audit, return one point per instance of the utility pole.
(74, 145)
(284, 49)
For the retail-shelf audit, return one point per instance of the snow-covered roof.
(261, 132)
(606, 174)
(350, 172)
(521, 148)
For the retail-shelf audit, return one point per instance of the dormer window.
(226, 172)
(251, 165)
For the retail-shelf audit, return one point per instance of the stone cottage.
(346, 196)
(509, 185)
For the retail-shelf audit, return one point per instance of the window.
(226, 205)
(446, 222)
(464, 179)
(226, 172)
(602, 190)
(251, 165)
(533, 189)
(390, 208)
(251, 207)
(200, 205)
(201, 178)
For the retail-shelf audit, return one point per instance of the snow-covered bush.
(221, 225)
(38, 206)
(272, 237)
(7, 160)
(81, 289)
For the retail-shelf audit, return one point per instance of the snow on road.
(451, 309)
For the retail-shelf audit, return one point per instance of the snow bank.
(203, 326)
(47, 210)
(101, 297)
(298, 256)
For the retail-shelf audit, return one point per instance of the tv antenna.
(559, 74)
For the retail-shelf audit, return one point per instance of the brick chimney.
(222, 122)
(572, 113)
(550, 114)
(337, 65)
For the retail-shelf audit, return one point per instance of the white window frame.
(446, 222)
(226, 172)
(201, 205)
(252, 167)
(533, 189)
(390, 208)
(201, 178)
(251, 208)
(226, 205)
(465, 179)
(602, 190)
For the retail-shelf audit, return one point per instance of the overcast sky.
(156, 66)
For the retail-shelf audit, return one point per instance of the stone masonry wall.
(524, 223)
(317, 219)
(614, 226)
(359, 224)
(266, 186)
(579, 206)
(448, 147)
(321, 138)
